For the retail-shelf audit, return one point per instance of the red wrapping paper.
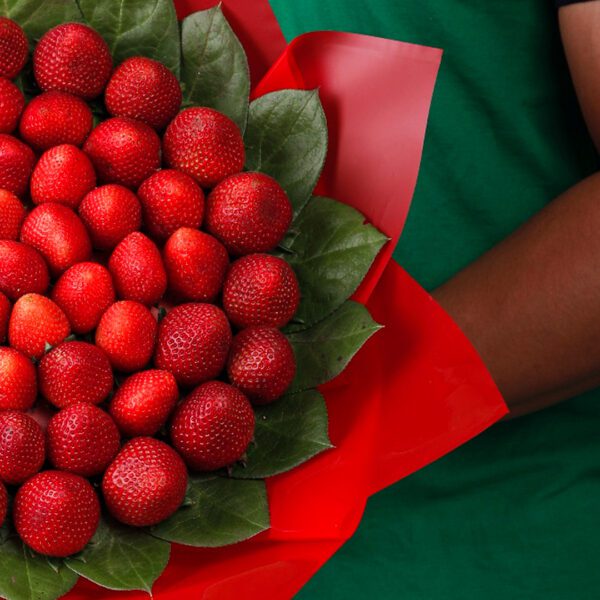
(417, 389)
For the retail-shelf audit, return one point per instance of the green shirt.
(513, 514)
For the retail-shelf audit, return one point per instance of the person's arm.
(531, 305)
(580, 31)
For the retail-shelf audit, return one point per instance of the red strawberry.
(260, 290)
(5, 309)
(14, 48)
(34, 322)
(261, 364)
(58, 234)
(12, 102)
(82, 439)
(127, 333)
(84, 292)
(12, 213)
(41, 413)
(170, 200)
(56, 513)
(75, 372)
(22, 451)
(137, 269)
(196, 264)
(145, 484)
(205, 144)
(213, 426)
(18, 380)
(16, 164)
(123, 151)
(64, 174)
(55, 118)
(143, 89)
(110, 213)
(22, 270)
(3, 503)
(144, 402)
(248, 212)
(72, 58)
(193, 342)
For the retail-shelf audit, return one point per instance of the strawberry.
(248, 212)
(196, 264)
(14, 48)
(34, 322)
(56, 513)
(18, 380)
(12, 213)
(16, 164)
(5, 308)
(145, 484)
(58, 234)
(22, 451)
(82, 439)
(75, 372)
(3, 503)
(64, 174)
(12, 102)
(205, 144)
(261, 363)
(213, 426)
(260, 290)
(127, 333)
(84, 292)
(72, 58)
(22, 270)
(143, 89)
(193, 342)
(123, 151)
(110, 213)
(143, 403)
(55, 118)
(137, 269)
(170, 200)
(41, 413)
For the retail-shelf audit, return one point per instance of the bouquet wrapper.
(418, 389)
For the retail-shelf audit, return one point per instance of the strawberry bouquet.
(127, 286)
(174, 301)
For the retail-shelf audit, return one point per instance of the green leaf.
(331, 249)
(214, 67)
(25, 81)
(286, 138)
(122, 558)
(137, 28)
(288, 433)
(37, 17)
(25, 575)
(220, 512)
(323, 351)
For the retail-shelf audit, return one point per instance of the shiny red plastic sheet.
(417, 389)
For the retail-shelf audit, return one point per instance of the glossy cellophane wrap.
(417, 390)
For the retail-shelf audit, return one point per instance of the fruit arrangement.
(171, 292)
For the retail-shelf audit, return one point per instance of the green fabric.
(513, 513)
